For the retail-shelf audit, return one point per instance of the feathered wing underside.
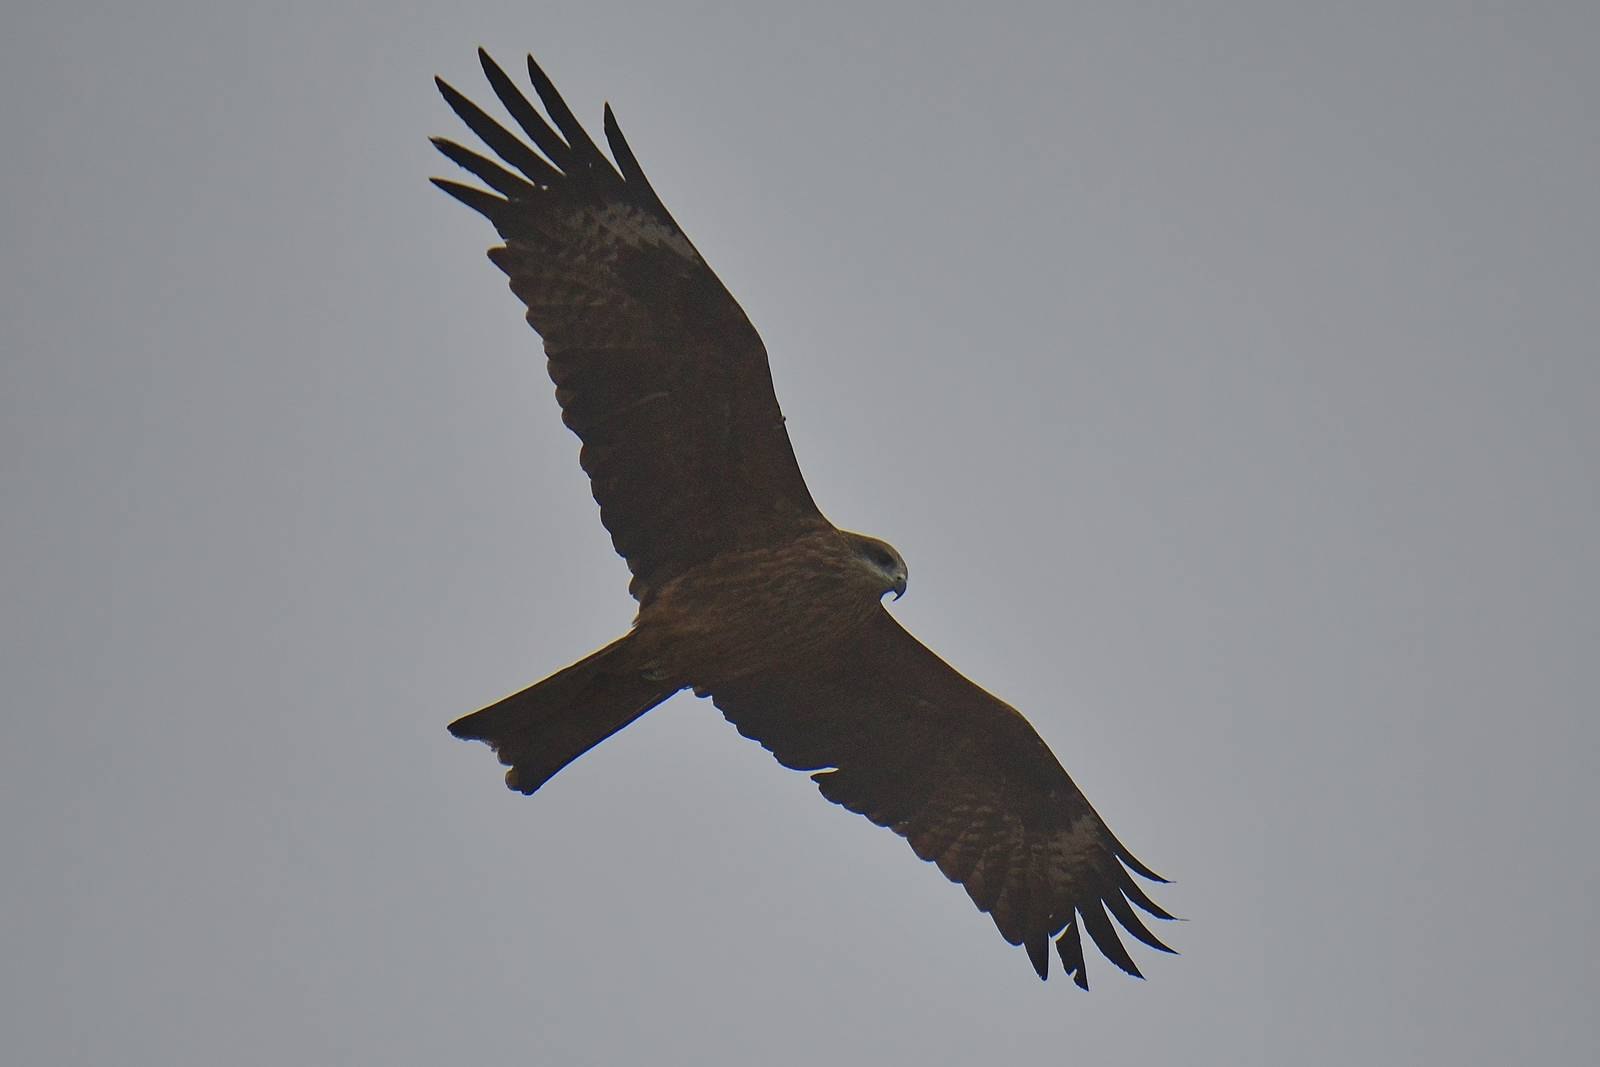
(895, 734)
(656, 367)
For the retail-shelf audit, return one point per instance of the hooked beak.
(899, 588)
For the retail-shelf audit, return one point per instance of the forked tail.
(548, 725)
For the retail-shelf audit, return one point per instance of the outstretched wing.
(896, 734)
(657, 369)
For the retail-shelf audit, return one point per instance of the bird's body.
(746, 593)
(749, 611)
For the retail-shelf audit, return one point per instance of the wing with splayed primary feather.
(896, 734)
(656, 367)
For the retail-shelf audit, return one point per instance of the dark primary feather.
(497, 137)
(493, 174)
(549, 142)
(584, 149)
(656, 367)
(894, 733)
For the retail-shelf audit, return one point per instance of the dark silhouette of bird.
(746, 593)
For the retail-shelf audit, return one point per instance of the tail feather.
(548, 725)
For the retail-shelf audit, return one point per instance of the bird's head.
(880, 562)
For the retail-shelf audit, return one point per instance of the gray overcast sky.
(1227, 375)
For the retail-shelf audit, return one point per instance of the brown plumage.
(746, 592)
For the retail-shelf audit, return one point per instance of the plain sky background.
(1227, 374)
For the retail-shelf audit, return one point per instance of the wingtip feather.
(1134, 864)
(1118, 905)
(1104, 935)
(489, 172)
(563, 117)
(478, 200)
(1039, 954)
(1069, 946)
(1135, 893)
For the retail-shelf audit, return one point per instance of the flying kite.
(746, 593)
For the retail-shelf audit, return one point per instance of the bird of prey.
(746, 593)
